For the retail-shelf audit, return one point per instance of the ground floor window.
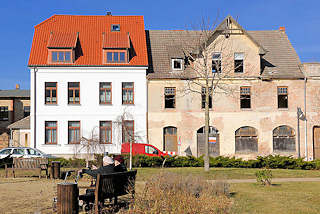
(50, 132)
(246, 140)
(284, 139)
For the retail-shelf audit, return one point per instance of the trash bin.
(67, 200)
(55, 169)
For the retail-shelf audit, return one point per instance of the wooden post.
(55, 169)
(68, 202)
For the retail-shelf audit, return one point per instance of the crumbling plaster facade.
(226, 115)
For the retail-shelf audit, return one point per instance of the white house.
(88, 83)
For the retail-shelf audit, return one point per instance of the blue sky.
(18, 17)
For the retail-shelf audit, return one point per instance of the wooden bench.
(36, 164)
(110, 186)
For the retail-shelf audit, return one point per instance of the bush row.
(271, 161)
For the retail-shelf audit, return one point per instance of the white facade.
(89, 112)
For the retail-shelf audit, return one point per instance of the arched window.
(214, 144)
(246, 140)
(170, 142)
(284, 139)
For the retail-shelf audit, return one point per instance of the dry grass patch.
(173, 193)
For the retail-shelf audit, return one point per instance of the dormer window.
(176, 64)
(61, 56)
(61, 47)
(115, 28)
(116, 47)
(116, 57)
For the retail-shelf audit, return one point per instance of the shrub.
(172, 193)
(70, 163)
(264, 177)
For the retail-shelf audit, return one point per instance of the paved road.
(234, 181)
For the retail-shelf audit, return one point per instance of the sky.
(301, 18)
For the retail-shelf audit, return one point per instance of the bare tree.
(203, 65)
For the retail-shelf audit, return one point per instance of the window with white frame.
(238, 62)
(176, 64)
(216, 62)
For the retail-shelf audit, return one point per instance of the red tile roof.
(90, 31)
(62, 40)
(116, 40)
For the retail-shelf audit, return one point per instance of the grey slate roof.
(14, 93)
(280, 60)
(21, 124)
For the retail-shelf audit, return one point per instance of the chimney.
(283, 29)
(108, 13)
(17, 86)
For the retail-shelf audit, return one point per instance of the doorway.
(214, 143)
(316, 142)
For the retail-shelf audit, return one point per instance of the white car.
(25, 152)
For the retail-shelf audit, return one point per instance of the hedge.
(271, 161)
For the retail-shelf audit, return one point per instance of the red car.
(141, 148)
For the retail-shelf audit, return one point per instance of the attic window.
(115, 28)
(61, 56)
(176, 64)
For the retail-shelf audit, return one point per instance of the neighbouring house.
(14, 105)
(20, 133)
(254, 111)
(88, 84)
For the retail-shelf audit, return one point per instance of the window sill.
(73, 143)
(128, 104)
(105, 104)
(246, 109)
(74, 104)
(51, 104)
(283, 109)
(170, 109)
(50, 144)
(105, 143)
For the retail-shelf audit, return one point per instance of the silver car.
(25, 152)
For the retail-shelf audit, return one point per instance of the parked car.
(141, 148)
(25, 152)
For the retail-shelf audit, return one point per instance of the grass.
(290, 198)
(227, 173)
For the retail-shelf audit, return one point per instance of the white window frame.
(220, 58)
(172, 64)
(239, 58)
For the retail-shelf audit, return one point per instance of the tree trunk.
(206, 129)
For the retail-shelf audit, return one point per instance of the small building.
(14, 106)
(20, 133)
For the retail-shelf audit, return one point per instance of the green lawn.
(227, 173)
(289, 198)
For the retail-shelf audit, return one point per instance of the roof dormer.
(116, 47)
(61, 47)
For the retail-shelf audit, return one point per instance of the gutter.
(305, 121)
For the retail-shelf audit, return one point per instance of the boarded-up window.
(170, 139)
(284, 139)
(246, 140)
(213, 142)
